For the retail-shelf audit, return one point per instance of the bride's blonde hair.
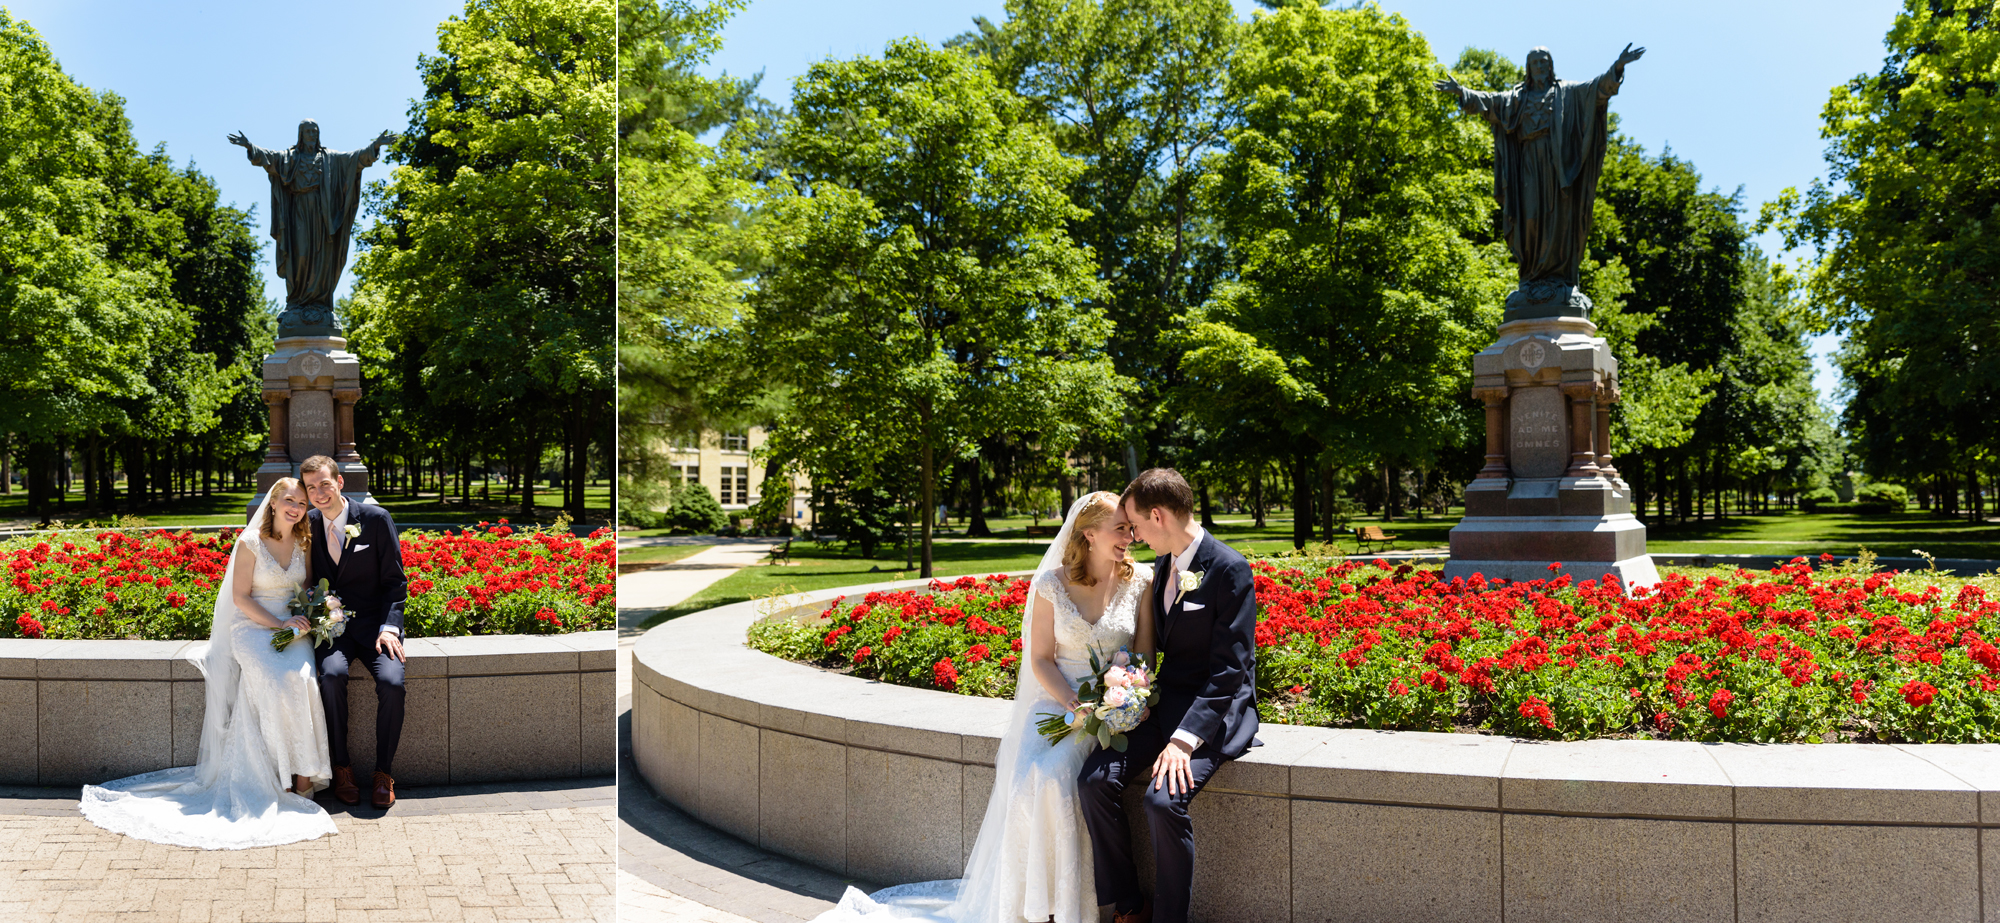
(1097, 509)
(301, 533)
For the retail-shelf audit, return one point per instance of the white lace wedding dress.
(264, 723)
(1032, 860)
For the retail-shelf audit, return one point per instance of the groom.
(1205, 617)
(355, 548)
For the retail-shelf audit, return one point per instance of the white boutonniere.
(1190, 581)
(352, 531)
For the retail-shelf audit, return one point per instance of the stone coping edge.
(470, 655)
(703, 662)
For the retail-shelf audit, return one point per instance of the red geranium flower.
(1537, 709)
(1718, 704)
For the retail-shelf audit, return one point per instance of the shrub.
(692, 510)
(633, 515)
(1890, 496)
(1817, 497)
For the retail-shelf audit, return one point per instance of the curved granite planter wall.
(479, 709)
(888, 784)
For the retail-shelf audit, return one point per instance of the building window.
(736, 486)
(735, 442)
(690, 474)
(685, 442)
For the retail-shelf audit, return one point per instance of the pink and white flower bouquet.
(321, 608)
(1112, 705)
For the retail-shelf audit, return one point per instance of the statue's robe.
(1548, 151)
(314, 197)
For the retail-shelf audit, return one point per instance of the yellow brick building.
(720, 460)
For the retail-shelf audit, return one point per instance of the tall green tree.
(1134, 90)
(491, 267)
(1349, 196)
(682, 362)
(921, 289)
(119, 276)
(1907, 261)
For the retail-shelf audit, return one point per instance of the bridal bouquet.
(319, 607)
(1112, 705)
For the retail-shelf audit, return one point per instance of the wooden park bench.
(1043, 531)
(1372, 535)
(783, 554)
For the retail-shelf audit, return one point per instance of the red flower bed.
(960, 635)
(1788, 655)
(162, 585)
(1792, 654)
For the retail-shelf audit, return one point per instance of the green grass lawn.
(227, 508)
(1011, 550)
(820, 568)
(658, 554)
(1892, 535)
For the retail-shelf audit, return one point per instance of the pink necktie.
(332, 541)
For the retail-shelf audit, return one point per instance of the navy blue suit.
(1208, 687)
(370, 583)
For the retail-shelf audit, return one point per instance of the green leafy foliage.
(130, 305)
(1905, 249)
(921, 289)
(485, 292)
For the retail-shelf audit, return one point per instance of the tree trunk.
(1326, 501)
(41, 480)
(1067, 488)
(929, 499)
(1302, 501)
(1257, 493)
(976, 526)
(533, 451)
(1207, 511)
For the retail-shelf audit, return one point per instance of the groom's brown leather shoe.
(1143, 915)
(344, 787)
(385, 790)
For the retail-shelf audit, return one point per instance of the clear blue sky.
(192, 72)
(1734, 87)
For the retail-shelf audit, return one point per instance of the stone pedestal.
(311, 384)
(1549, 492)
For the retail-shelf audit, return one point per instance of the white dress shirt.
(1175, 567)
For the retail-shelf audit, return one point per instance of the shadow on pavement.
(664, 846)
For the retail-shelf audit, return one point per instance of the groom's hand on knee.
(1171, 768)
(390, 643)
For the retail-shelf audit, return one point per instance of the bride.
(264, 727)
(1032, 861)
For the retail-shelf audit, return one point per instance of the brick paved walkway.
(516, 851)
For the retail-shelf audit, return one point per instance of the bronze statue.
(1548, 149)
(314, 195)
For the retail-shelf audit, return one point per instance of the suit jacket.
(369, 578)
(1208, 639)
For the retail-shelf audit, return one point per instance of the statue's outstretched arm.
(1612, 79)
(257, 155)
(374, 148)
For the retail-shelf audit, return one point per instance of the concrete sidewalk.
(642, 594)
(516, 851)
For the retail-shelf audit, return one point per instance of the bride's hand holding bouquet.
(1120, 698)
(320, 612)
